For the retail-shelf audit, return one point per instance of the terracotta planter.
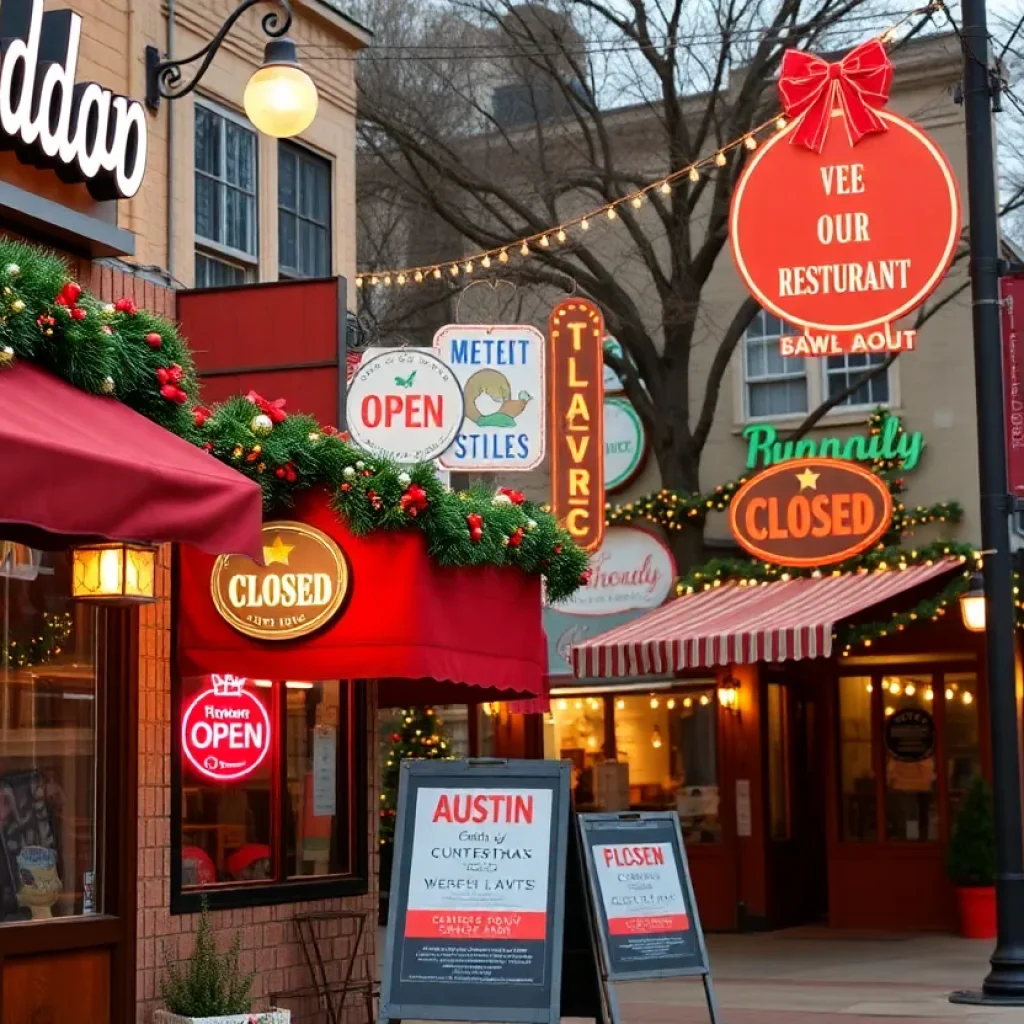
(977, 906)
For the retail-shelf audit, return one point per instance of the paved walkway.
(818, 976)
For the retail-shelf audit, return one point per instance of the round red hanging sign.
(225, 731)
(849, 218)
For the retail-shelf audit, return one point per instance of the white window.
(303, 213)
(842, 371)
(775, 385)
(226, 234)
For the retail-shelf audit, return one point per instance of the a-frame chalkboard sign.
(475, 922)
(642, 899)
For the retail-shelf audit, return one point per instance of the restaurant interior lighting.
(972, 604)
(115, 573)
(729, 694)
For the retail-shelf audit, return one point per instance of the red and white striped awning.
(736, 624)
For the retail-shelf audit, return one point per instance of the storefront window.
(49, 707)
(911, 807)
(271, 782)
(665, 755)
(859, 801)
(963, 763)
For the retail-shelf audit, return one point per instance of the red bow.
(811, 88)
(414, 500)
(516, 497)
(275, 409)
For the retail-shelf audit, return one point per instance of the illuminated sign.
(848, 219)
(88, 133)
(502, 375)
(300, 587)
(225, 731)
(891, 442)
(404, 404)
(810, 512)
(576, 370)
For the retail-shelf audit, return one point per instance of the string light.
(719, 158)
(561, 234)
(544, 241)
(503, 256)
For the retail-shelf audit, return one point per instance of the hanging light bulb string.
(558, 234)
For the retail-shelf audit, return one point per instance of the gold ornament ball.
(6, 355)
(18, 306)
(107, 387)
(261, 424)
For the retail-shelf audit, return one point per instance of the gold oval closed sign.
(298, 590)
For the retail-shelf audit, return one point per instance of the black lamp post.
(280, 99)
(1004, 984)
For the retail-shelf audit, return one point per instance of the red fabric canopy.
(406, 621)
(80, 465)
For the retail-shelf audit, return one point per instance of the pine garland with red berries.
(140, 359)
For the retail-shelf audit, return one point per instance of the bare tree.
(502, 119)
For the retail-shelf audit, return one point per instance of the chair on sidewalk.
(316, 937)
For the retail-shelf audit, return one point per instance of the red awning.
(423, 630)
(78, 465)
(740, 625)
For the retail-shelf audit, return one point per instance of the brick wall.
(269, 942)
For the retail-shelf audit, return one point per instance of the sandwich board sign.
(475, 921)
(642, 899)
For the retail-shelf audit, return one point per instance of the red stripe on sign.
(648, 925)
(485, 924)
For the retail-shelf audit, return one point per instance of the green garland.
(141, 359)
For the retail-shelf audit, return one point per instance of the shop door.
(794, 777)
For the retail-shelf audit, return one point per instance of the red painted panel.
(310, 391)
(279, 339)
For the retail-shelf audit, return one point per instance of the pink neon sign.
(225, 731)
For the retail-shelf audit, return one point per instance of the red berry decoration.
(286, 472)
(346, 487)
(414, 500)
(375, 500)
(475, 521)
(126, 305)
(516, 537)
(200, 414)
(516, 497)
(69, 294)
(585, 576)
(153, 340)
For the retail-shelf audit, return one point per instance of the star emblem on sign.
(277, 552)
(808, 480)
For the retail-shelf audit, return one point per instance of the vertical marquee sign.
(576, 371)
(475, 918)
(848, 219)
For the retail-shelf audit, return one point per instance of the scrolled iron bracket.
(165, 78)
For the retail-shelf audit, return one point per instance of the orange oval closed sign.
(810, 512)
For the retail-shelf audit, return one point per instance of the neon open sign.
(225, 731)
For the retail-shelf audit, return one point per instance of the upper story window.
(226, 235)
(775, 385)
(842, 371)
(304, 212)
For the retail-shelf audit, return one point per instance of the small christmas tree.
(420, 734)
(971, 859)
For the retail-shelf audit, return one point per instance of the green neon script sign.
(892, 442)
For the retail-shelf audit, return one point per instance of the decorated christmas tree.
(419, 733)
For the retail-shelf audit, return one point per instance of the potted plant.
(210, 987)
(971, 862)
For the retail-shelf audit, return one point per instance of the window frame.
(282, 889)
(847, 407)
(304, 152)
(249, 262)
(773, 378)
(939, 670)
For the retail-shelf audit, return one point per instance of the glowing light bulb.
(611, 213)
(705, 700)
(869, 688)
(524, 250)
(670, 703)
(654, 703)
(562, 705)
(694, 174)
(910, 690)
(584, 224)
(949, 693)
(889, 711)
(620, 704)
(503, 256)
(968, 697)
(929, 694)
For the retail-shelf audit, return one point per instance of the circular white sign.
(632, 569)
(625, 443)
(404, 404)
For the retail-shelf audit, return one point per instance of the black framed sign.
(477, 892)
(646, 915)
